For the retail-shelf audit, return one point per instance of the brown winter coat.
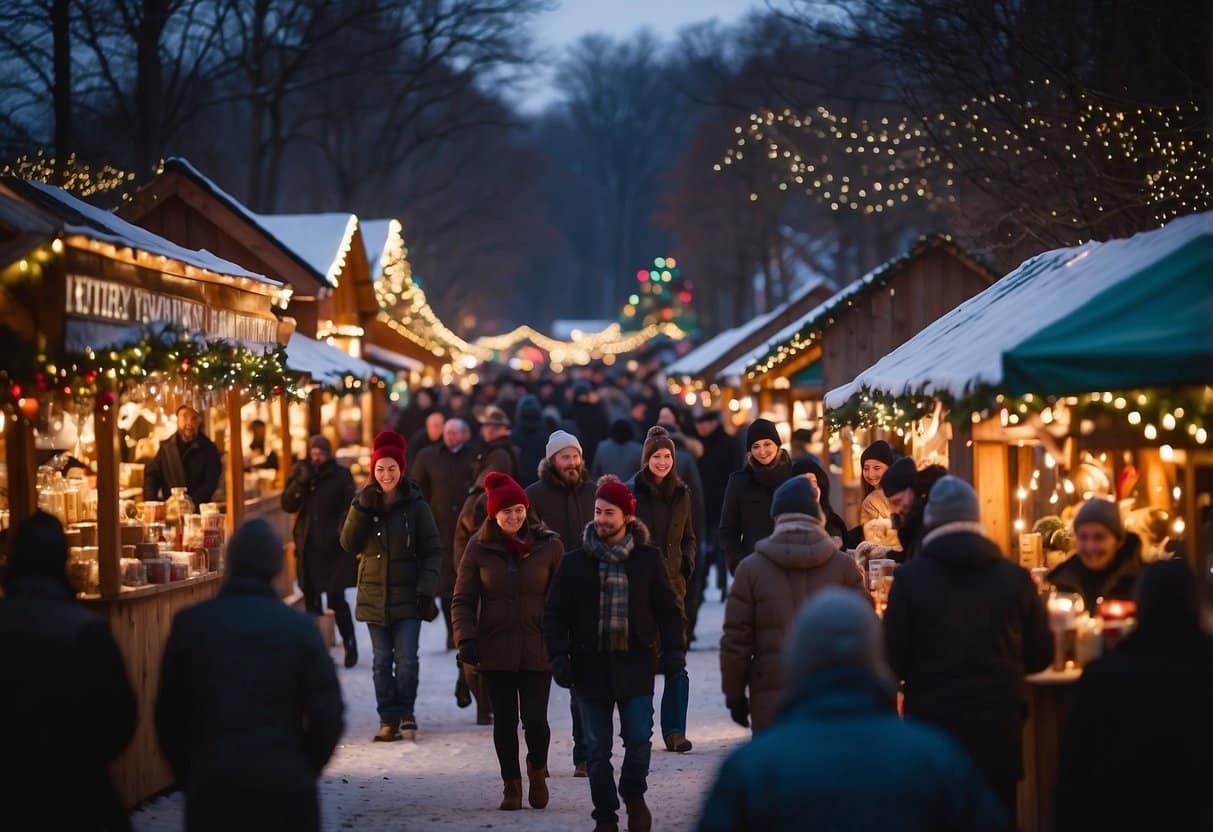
(797, 560)
(499, 598)
(669, 520)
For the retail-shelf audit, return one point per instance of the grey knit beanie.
(1104, 512)
(836, 627)
(952, 500)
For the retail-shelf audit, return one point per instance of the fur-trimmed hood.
(548, 473)
(798, 542)
(640, 532)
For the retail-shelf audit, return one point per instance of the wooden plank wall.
(141, 628)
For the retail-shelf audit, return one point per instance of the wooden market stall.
(1086, 372)
(865, 320)
(111, 317)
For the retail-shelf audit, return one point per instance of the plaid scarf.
(612, 589)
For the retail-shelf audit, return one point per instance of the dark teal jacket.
(839, 758)
(399, 551)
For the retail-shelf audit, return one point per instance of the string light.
(76, 177)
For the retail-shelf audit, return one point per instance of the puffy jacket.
(669, 521)
(566, 510)
(796, 560)
(399, 550)
(499, 598)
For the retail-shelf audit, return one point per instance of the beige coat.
(876, 507)
(786, 568)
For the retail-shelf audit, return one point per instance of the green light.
(659, 262)
(654, 276)
(633, 299)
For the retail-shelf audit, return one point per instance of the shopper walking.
(319, 493)
(392, 529)
(618, 454)
(722, 455)
(838, 757)
(60, 661)
(610, 603)
(798, 559)
(245, 727)
(745, 516)
(503, 583)
(663, 504)
(963, 626)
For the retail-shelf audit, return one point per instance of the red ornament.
(279, 390)
(90, 376)
(185, 364)
(40, 380)
(105, 401)
(16, 391)
(28, 408)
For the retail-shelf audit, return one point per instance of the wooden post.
(109, 535)
(284, 458)
(992, 482)
(235, 461)
(1154, 480)
(22, 475)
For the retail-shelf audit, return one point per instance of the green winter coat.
(399, 551)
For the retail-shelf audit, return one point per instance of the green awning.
(1152, 329)
(810, 376)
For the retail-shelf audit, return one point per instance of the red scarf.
(519, 547)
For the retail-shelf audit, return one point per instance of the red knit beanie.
(503, 492)
(611, 489)
(388, 445)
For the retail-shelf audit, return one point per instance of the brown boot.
(511, 800)
(538, 776)
(678, 743)
(387, 733)
(639, 818)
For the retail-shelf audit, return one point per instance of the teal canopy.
(1151, 329)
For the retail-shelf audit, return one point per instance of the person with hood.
(392, 530)
(319, 493)
(963, 626)
(530, 433)
(908, 490)
(721, 457)
(1137, 747)
(60, 662)
(564, 499)
(1108, 561)
(798, 559)
(610, 604)
(663, 504)
(249, 709)
(503, 584)
(838, 757)
(618, 454)
(745, 516)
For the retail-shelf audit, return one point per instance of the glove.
(469, 653)
(427, 607)
(673, 662)
(739, 709)
(562, 671)
(369, 498)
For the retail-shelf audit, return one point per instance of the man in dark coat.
(530, 435)
(187, 459)
(908, 490)
(249, 709)
(964, 625)
(618, 454)
(60, 663)
(320, 491)
(589, 415)
(428, 435)
(1108, 561)
(721, 457)
(444, 474)
(838, 757)
(1138, 746)
(610, 603)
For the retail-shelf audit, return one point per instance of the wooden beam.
(235, 461)
(109, 534)
(22, 471)
(991, 480)
(284, 439)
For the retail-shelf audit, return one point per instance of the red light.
(642, 275)
(685, 297)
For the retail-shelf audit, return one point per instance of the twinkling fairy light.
(78, 178)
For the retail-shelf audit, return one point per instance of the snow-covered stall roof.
(737, 368)
(963, 349)
(322, 240)
(237, 207)
(80, 218)
(325, 363)
(375, 239)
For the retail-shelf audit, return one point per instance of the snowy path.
(449, 779)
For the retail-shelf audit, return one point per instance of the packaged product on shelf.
(133, 572)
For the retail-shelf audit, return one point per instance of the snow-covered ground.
(448, 778)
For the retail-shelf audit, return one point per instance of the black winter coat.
(200, 468)
(669, 522)
(320, 496)
(564, 510)
(570, 622)
(834, 525)
(399, 551)
(963, 626)
(688, 472)
(444, 477)
(746, 515)
(1137, 748)
(1118, 581)
(249, 710)
(592, 425)
(530, 435)
(60, 662)
(722, 455)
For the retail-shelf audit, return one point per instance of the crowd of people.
(567, 534)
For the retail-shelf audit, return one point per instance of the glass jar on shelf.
(176, 508)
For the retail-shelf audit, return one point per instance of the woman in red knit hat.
(391, 529)
(497, 612)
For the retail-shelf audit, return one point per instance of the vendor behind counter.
(1108, 561)
(187, 459)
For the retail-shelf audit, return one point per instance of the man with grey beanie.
(838, 737)
(963, 626)
(249, 709)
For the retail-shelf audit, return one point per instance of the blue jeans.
(675, 700)
(580, 754)
(636, 731)
(394, 668)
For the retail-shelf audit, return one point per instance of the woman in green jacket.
(393, 532)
